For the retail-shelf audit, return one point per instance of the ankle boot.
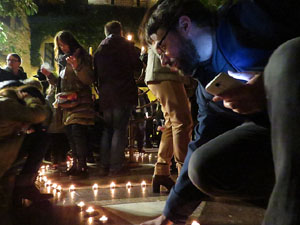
(81, 171)
(28, 192)
(164, 180)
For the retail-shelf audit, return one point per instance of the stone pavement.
(119, 205)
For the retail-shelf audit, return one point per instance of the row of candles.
(90, 211)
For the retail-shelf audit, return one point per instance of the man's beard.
(188, 56)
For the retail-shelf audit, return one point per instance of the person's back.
(115, 63)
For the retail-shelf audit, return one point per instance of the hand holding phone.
(221, 83)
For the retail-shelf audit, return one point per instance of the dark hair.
(113, 27)
(165, 14)
(67, 38)
(14, 55)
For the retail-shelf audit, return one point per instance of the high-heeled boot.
(164, 180)
(26, 189)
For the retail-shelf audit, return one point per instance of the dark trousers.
(235, 165)
(34, 147)
(78, 139)
(283, 94)
(113, 141)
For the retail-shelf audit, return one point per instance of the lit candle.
(54, 185)
(81, 205)
(103, 219)
(45, 178)
(90, 50)
(48, 183)
(47, 167)
(72, 188)
(95, 187)
(195, 223)
(143, 184)
(112, 185)
(128, 185)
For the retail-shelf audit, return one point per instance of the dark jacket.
(6, 74)
(115, 62)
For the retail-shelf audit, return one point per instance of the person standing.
(115, 62)
(168, 88)
(74, 96)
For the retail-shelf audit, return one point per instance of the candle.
(81, 205)
(112, 185)
(90, 209)
(47, 167)
(72, 188)
(90, 50)
(128, 185)
(45, 179)
(143, 184)
(54, 185)
(48, 183)
(195, 223)
(103, 219)
(95, 187)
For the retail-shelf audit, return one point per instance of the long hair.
(67, 38)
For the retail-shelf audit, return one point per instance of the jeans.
(78, 140)
(283, 94)
(113, 141)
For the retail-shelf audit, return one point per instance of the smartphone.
(221, 83)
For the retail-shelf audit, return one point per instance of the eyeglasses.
(12, 60)
(159, 48)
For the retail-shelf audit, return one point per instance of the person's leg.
(165, 150)
(235, 165)
(69, 134)
(283, 94)
(106, 141)
(35, 146)
(181, 120)
(120, 121)
(80, 140)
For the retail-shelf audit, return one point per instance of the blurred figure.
(115, 62)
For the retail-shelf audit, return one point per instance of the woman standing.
(73, 96)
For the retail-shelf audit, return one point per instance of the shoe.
(29, 192)
(164, 180)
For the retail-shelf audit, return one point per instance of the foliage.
(15, 8)
(86, 24)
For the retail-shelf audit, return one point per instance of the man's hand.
(247, 99)
(161, 220)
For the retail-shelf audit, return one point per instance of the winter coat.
(77, 81)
